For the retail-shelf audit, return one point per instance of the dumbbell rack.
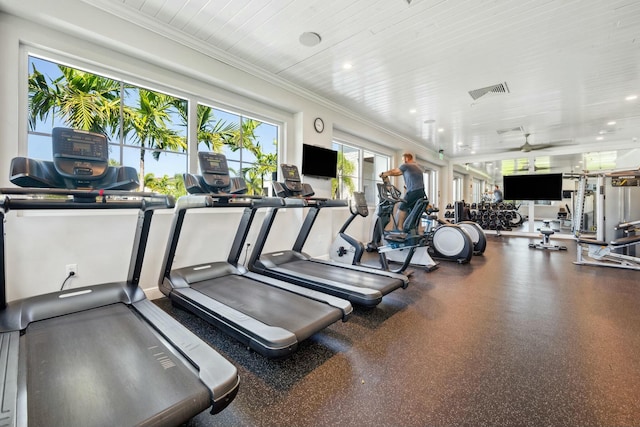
(490, 216)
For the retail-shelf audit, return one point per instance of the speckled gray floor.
(518, 337)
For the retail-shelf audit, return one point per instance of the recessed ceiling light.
(412, 111)
(600, 138)
(602, 132)
(611, 123)
(440, 130)
(347, 66)
(310, 38)
(631, 97)
(460, 143)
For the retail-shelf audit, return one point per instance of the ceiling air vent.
(518, 130)
(500, 88)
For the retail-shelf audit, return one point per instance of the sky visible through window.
(169, 163)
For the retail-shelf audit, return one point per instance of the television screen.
(533, 187)
(318, 161)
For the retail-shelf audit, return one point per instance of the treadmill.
(268, 315)
(100, 355)
(360, 285)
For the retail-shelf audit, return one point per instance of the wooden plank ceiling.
(564, 68)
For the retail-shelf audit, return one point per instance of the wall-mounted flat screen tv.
(533, 187)
(319, 161)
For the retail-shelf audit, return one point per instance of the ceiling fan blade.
(539, 146)
(562, 142)
(527, 147)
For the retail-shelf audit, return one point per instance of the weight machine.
(614, 244)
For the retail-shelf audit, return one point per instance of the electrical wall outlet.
(72, 268)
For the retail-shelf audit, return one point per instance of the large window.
(358, 170)
(458, 182)
(430, 177)
(478, 185)
(250, 145)
(147, 129)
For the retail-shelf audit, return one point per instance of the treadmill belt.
(338, 274)
(105, 367)
(272, 306)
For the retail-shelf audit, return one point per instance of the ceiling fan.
(526, 147)
(536, 168)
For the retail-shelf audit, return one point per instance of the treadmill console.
(360, 203)
(292, 185)
(291, 178)
(79, 155)
(215, 171)
(215, 177)
(80, 161)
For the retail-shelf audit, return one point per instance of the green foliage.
(346, 169)
(91, 102)
(83, 100)
(217, 134)
(172, 186)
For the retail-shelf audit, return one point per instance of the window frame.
(216, 98)
(361, 148)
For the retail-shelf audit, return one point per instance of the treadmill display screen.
(82, 149)
(213, 163)
(290, 173)
(77, 144)
(79, 155)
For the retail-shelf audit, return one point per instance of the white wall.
(39, 245)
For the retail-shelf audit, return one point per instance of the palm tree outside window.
(147, 129)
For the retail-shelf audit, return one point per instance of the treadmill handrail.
(319, 202)
(194, 201)
(295, 202)
(332, 203)
(74, 192)
(37, 199)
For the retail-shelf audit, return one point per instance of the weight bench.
(608, 254)
(546, 232)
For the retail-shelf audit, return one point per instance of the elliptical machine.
(442, 241)
(461, 219)
(346, 249)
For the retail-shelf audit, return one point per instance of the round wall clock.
(318, 124)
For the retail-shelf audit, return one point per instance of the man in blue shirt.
(414, 183)
(497, 194)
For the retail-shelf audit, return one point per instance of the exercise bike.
(442, 241)
(347, 249)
